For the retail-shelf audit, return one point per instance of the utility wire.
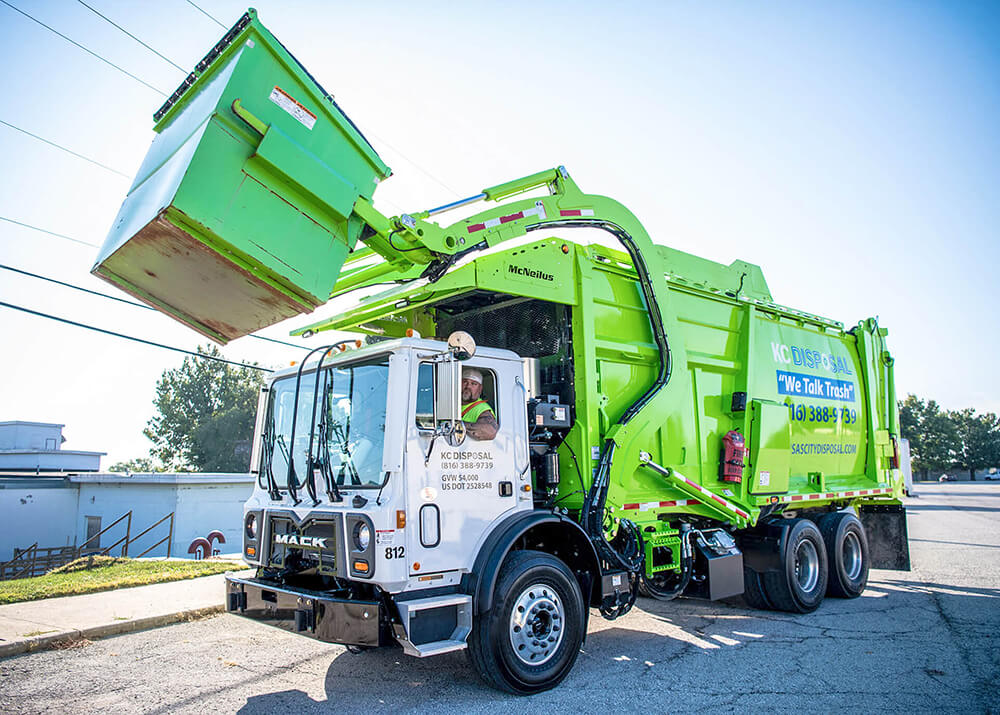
(130, 337)
(104, 166)
(88, 51)
(207, 15)
(408, 159)
(59, 146)
(124, 300)
(51, 233)
(109, 20)
(75, 287)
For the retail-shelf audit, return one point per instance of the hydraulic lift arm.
(409, 242)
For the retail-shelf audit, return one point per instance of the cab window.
(425, 394)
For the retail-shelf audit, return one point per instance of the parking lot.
(926, 640)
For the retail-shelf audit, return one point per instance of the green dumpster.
(242, 212)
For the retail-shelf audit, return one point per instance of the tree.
(934, 441)
(978, 440)
(205, 415)
(139, 464)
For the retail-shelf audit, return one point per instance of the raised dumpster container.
(242, 212)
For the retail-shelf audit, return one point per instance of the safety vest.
(474, 410)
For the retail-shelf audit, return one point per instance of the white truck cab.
(371, 497)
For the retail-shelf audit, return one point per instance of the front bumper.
(308, 613)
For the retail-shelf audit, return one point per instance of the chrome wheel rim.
(806, 566)
(852, 556)
(536, 624)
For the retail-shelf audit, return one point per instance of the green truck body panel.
(242, 215)
(808, 424)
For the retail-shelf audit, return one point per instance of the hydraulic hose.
(592, 513)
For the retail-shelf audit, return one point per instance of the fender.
(764, 546)
(498, 544)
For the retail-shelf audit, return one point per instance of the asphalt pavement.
(927, 640)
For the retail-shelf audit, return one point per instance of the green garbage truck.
(528, 428)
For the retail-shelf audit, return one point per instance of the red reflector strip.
(476, 227)
(512, 217)
(646, 506)
(576, 212)
(836, 495)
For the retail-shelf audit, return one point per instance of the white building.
(68, 510)
(37, 447)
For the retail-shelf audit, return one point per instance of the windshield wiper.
(293, 482)
(345, 450)
(332, 491)
(267, 446)
(291, 476)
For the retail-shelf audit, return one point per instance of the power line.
(390, 146)
(207, 15)
(201, 356)
(75, 287)
(88, 51)
(124, 300)
(104, 17)
(408, 159)
(59, 146)
(51, 233)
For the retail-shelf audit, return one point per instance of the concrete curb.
(50, 640)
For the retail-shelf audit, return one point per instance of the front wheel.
(530, 639)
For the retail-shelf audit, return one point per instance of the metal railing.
(34, 561)
(169, 538)
(124, 541)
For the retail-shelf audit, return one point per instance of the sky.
(851, 149)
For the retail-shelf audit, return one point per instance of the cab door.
(456, 493)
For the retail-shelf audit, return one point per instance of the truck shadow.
(657, 639)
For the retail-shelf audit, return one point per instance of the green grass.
(106, 574)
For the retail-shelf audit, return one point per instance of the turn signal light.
(400, 519)
(361, 566)
(251, 551)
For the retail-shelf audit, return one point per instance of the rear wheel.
(847, 553)
(753, 590)
(799, 586)
(530, 639)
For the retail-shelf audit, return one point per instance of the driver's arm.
(485, 427)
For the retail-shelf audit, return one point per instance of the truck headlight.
(362, 536)
(251, 526)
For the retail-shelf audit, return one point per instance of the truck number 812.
(395, 552)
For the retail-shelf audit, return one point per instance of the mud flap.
(888, 543)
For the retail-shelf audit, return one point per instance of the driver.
(477, 414)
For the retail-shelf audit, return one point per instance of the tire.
(799, 587)
(753, 590)
(847, 554)
(536, 595)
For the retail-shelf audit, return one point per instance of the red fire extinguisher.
(731, 462)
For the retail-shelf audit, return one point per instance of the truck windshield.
(345, 426)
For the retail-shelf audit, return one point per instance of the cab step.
(435, 625)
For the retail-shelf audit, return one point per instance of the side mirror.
(462, 345)
(448, 401)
